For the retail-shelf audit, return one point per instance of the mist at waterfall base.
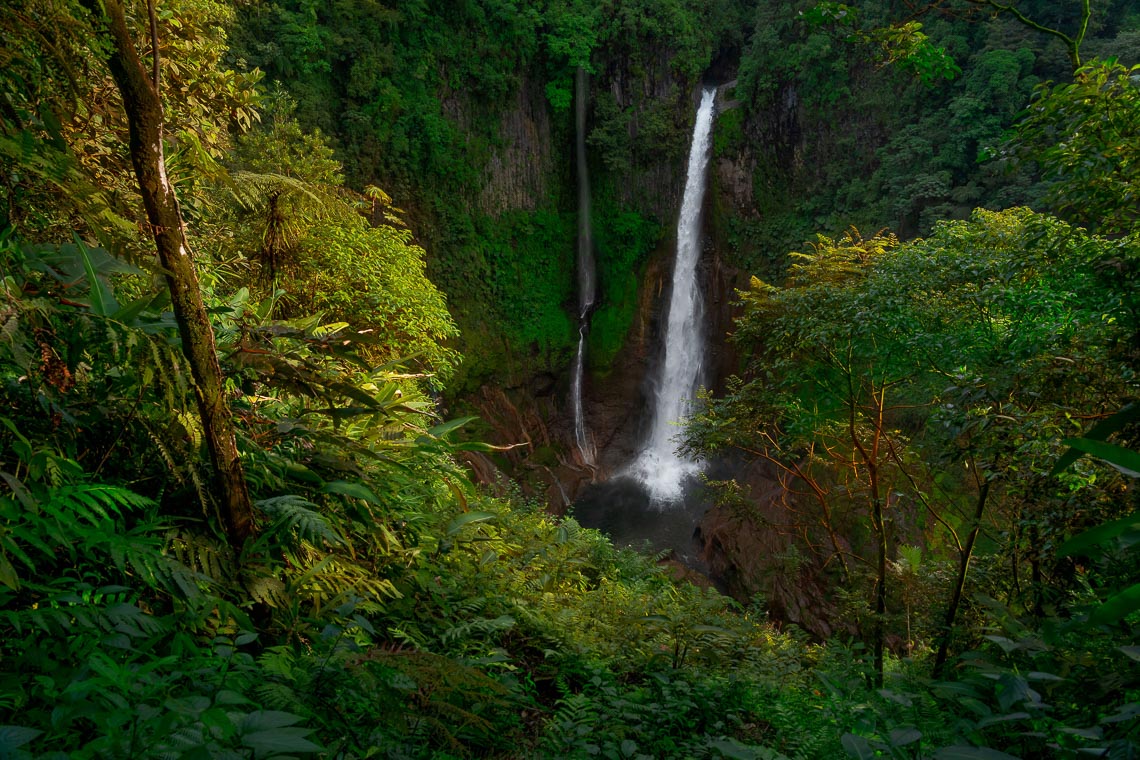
(623, 509)
(658, 498)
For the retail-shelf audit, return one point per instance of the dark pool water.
(622, 508)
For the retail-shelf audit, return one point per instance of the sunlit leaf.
(468, 518)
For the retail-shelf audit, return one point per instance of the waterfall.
(658, 466)
(586, 278)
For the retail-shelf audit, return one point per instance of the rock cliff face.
(519, 171)
(651, 106)
(749, 547)
(658, 107)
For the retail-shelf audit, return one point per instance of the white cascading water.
(658, 466)
(587, 285)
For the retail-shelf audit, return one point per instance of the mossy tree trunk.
(143, 105)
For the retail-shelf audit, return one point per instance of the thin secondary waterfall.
(587, 285)
(658, 466)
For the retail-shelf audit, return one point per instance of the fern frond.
(202, 554)
(278, 661)
(265, 589)
(333, 580)
(164, 453)
(279, 696)
(92, 503)
(291, 513)
(129, 619)
(164, 572)
(471, 606)
(51, 621)
(480, 627)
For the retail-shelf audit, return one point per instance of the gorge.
(656, 498)
(457, 271)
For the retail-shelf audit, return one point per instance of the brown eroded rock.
(753, 545)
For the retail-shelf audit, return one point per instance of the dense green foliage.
(846, 118)
(921, 406)
(447, 105)
(913, 400)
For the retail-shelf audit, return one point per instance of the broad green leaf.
(457, 493)
(364, 624)
(1100, 432)
(1098, 536)
(479, 447)
(1014, 689)
(1037, 675)
(953, 690)
(705, 628)
(102, 302)
(13, 737)
(894, 696)
(130, 312)
(264, 720)
(1007, 645)
(1118, 607)
(439, 431)
(300, 472)
(971, 753)
(1003, 719)
(468, 518)
(857, 747)
(1125, 460)
(8, 575)
(901, 737)
(230, 697)
(279, 740)
(1095, 733)
(353, 490)
(734, 750)
(1126, 712)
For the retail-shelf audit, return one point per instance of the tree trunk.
(960, 583)
(144, 117)
(878, 518)
(878, 522)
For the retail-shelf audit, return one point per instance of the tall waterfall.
(587, 285)
(658, 466)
